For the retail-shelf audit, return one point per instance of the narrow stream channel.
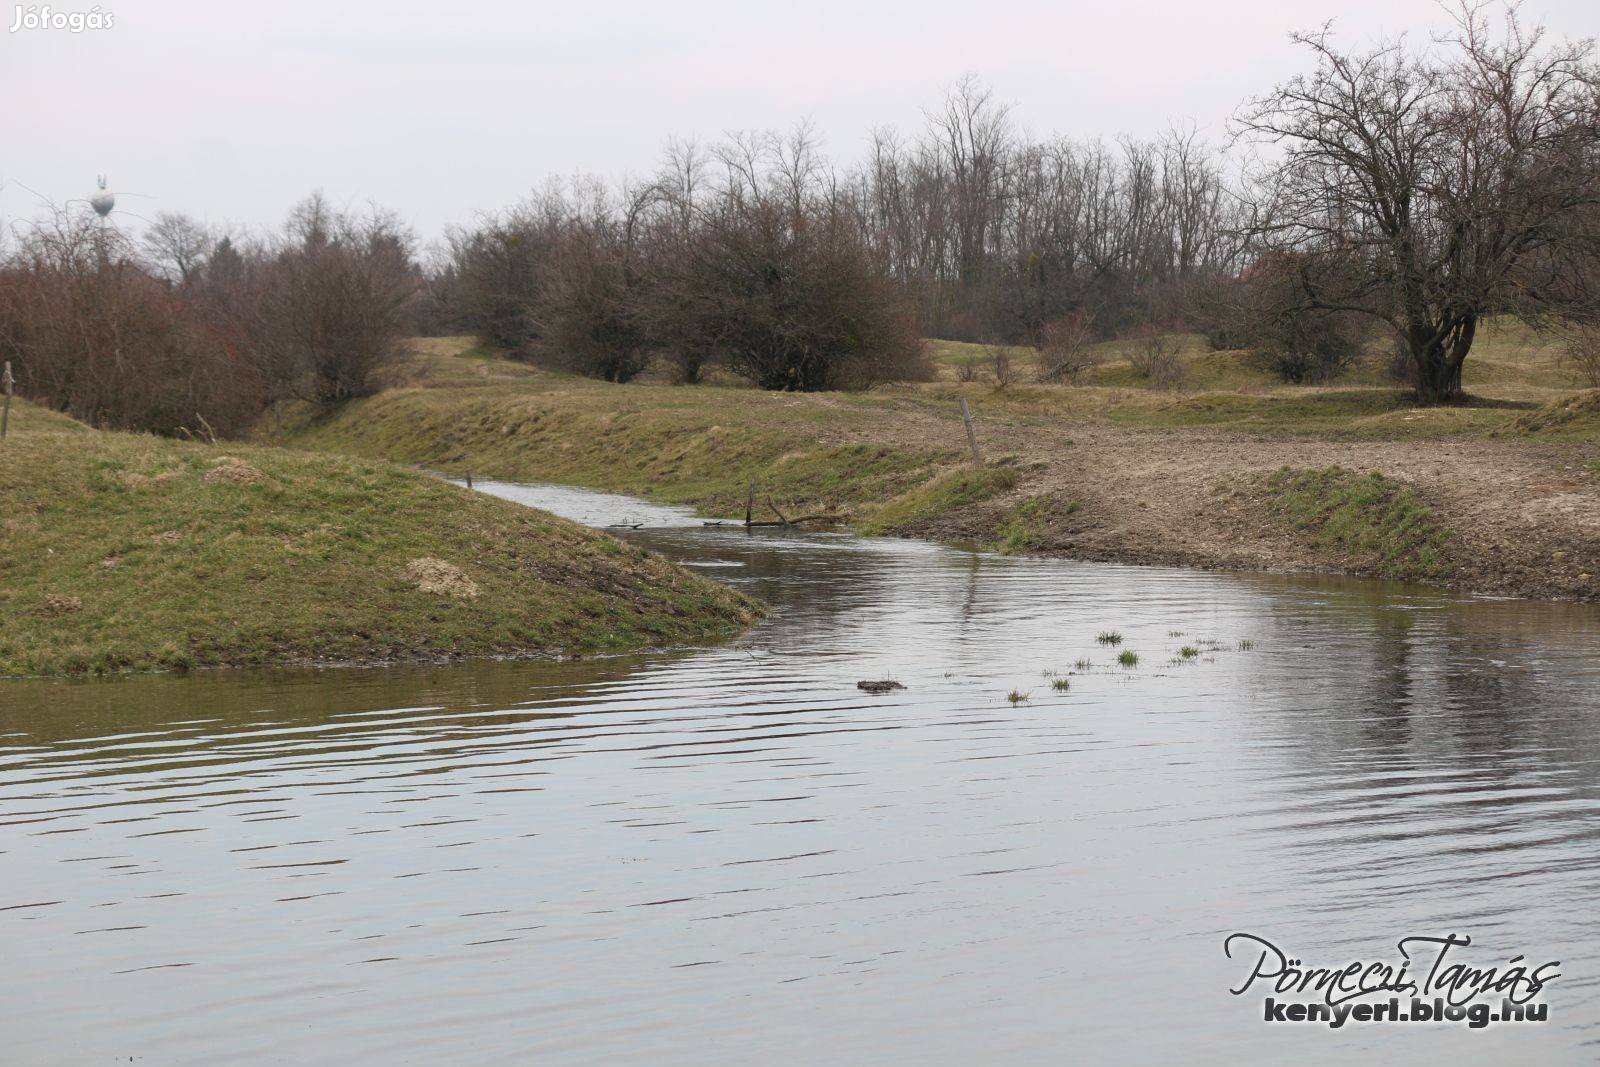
(733, 855)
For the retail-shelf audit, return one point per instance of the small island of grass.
(129, 552)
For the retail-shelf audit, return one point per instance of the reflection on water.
(712, 856)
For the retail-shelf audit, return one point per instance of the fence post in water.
(972, 435)
(750, 504)
(6, 383)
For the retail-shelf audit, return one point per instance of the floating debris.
(881, 686)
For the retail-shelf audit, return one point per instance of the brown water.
(725, 855)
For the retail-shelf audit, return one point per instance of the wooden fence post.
(6, 382)
(972, 435)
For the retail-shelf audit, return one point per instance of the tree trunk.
(1438, 352)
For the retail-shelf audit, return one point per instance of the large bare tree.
(1431, 187)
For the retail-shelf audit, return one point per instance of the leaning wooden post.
(972, 435)
(6, 382)
(750, 504)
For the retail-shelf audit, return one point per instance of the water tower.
(103, 199)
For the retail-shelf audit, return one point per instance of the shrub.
(593, 305)
(333, 304)
(1580, 351)
(1156, 358)
(793, 298)
(1303, 347)
(1064, 348)
(92, 334)
(1000, 367)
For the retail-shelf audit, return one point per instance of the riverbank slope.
(1233, 471)
(125, 552)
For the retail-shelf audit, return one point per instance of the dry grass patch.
(436, 576)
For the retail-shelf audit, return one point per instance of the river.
(730, 855)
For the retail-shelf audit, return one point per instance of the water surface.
(714, 856)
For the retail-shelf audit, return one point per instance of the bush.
(91, 334)
(1000, 366)
(1064, 348)
(593, 306)
(1303, 347)
(1157, 358)
(494, 281)
(333, 301)
(1580, 351)
(793, 299)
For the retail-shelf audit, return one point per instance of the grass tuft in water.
(1128, 658)
(1109, 637)
(1017, 696)
(1061, 685)
(1188, 652)
(1082, 664)
(1245, 644)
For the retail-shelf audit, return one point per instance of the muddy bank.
(1522, 519)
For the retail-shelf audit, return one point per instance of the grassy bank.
(1107, 469)
(701, 446)
(1381, 527)
(130, 552)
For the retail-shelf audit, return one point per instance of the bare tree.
(593, 304)
(1001, 369)
(93, 334)
(332, 300)
(1064, 347)
(178, 246)
(1580, 350)
(1431, 188)
(1157, 357)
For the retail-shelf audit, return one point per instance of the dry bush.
(788, 294)
(494, 280)
(1001, 368)
(332, 301)
(1306, 347)
(967, 370)
(1157, 358)
(1064, 348)
(92, 334)
(593, 304)
(1579, 351)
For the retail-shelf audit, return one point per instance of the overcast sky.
(232, 112)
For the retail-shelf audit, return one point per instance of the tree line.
(189, 332)
(1395, 194)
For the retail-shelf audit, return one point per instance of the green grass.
(700, 445)
(1128, 658)
(1576, 415)
(126, 552)
(1188, 652)
(1061, 685)
(1026, 527)
(1109, 637)
(941, 494)
(1382, 526)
